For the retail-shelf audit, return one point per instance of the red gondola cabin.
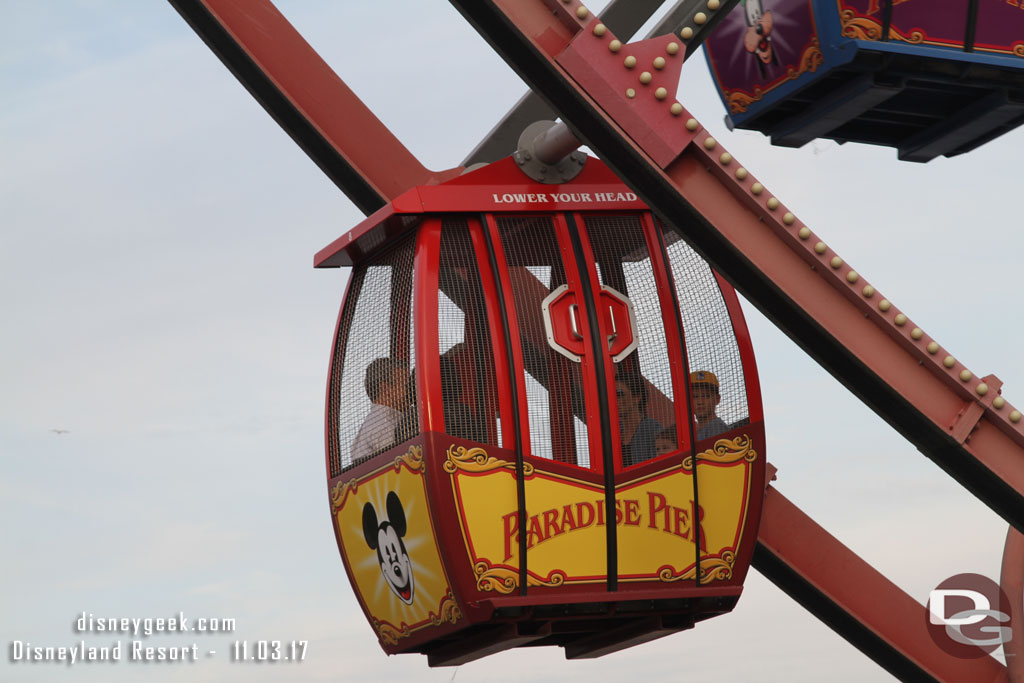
(512, 454)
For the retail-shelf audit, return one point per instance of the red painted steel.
(428, 371)
(694, 167)
(859, 590)
(283, 68)
(682, 413)
(778, 263)
(502, 372)
(752, 238)
(1011, 580)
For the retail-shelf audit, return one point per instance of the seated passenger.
(638, 431)
(387, 385)
(459, 419)
(666, 441)
(704, 389)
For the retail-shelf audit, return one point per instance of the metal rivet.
(600, 30)
(949, 361)
(713, 5)
(982, 389)
(646, 77)
(659, 62)
(1015, 416)
(672, 48)
(741, 173)
(868, 291)
(884, 305)
(615, 45)
(660, 94)
(582, 12)
(700, 18)
(804, 232)
(916, 333)
(691, 124)
(686, 33)
(965, 375)
(900, 319)
(998, 402)
(676, 109)
(788, 218)
(773, 203)
(836, 262)
(726, 158)
(757, 188)
(709, 143)
(629, 62)
(933, 348)
(852, 276)
(630, 93)
(820, 248)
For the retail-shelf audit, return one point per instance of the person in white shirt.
(387, 384)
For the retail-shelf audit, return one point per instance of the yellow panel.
(404, 586)
(566, 520)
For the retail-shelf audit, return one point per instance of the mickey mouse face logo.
(386, 538)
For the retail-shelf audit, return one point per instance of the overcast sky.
(156, 240)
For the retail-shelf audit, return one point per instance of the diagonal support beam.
(750, 237)
(625, 18)
(306, 98)
(855, 600)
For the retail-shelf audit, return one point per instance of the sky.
(165, 344)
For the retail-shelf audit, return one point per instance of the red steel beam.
(301, 92)
(855, 600)
(779, 264)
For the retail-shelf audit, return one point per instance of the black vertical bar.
(686, 384)
(886, 19)
(517, 437)
(972, 25)
(608, 457)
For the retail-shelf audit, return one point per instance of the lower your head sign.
(968, 616)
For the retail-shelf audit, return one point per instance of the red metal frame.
(305, 96)
(685, 177)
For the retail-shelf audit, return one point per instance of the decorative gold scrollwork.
(388, 634)
(717, 569)
(477, 460)
(862, 28)
(340, 491)
(812, 57)
(739, 101)
(504, 581)
(412, 458)
(711, 569)
(726, 451)
(448, 611)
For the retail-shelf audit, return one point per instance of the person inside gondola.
(704, 389)
(638, 431)
(387, 385)
(665, 442)
(459, 418)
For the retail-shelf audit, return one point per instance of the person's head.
(666, 441)
(387, 382)
(704, 389)
(631, 395)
